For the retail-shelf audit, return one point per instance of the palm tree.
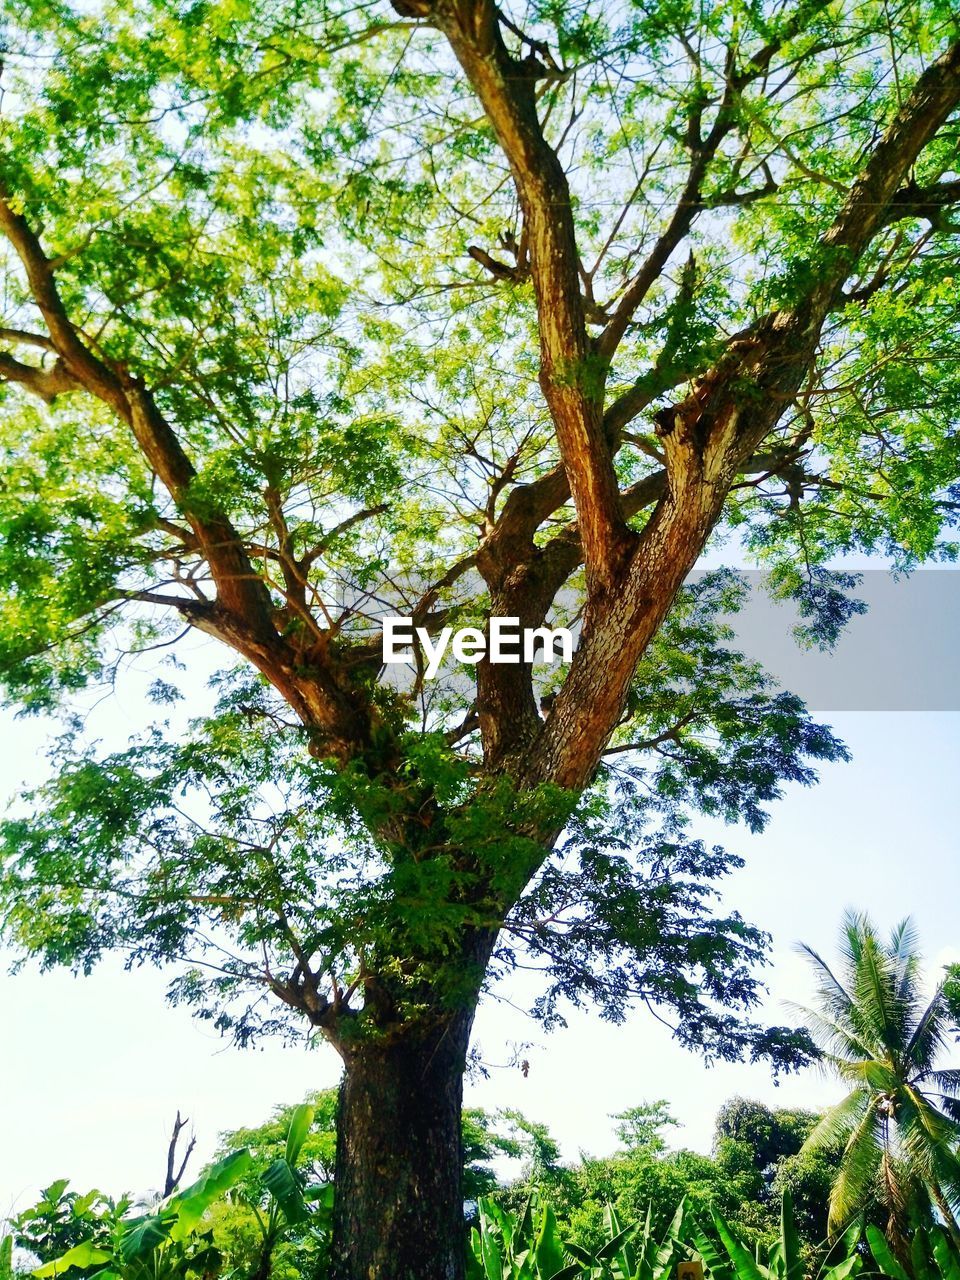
(899, 1126)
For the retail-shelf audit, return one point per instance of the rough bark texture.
(399, 1208)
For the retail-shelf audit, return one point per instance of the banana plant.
(634, 1252)
(933, 1256)
(164, 1244)
(291, 1203)
(507, 1247)
(734, 1261)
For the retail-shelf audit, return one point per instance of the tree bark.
(398, 1213)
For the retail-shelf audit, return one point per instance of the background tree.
(900, 1122)
(755, 1158)
(769, 1143)
(315, 314)
(642, 1128)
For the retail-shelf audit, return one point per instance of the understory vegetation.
(870, 1186)
(755, 1208)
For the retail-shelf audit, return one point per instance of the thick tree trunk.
(399, 1209)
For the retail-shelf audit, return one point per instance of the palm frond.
(831, 990)
(945, 1082)
(837, 1124)
(885, 1017)
(859, 1166)
(830, 1035)
(929, 1036)
(904, 948)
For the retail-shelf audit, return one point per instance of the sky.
(93, 1070)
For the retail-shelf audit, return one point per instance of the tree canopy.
(318, 313)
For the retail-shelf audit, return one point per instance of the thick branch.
(506, 89)
(707, 437)
(873, 198)
(45, 383)
(239, 588)
(929, 202)
(242, 616)
(20, 337)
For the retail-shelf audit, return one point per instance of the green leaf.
(82, 1256)
(192, 1203)
(883, 1255)
(715, 1264)
(946, 1254)
(282, 1183)
(613, 1246)
(548, 1247)
(578, 1252)
(145, 1234)
(923, 1268)
(744, 1263)
(300, 1123)
(790, 1240)
(490, 1252)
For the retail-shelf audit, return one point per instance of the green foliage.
(641, 1128)
(277, 1219)
(271, 222)
(755, 1162)
(753, 1140)
(504, 1246)
(147, 870)
(166, 1243)
(195, 1231)
(507, 1246)
(269, 1141)
(62, 1219)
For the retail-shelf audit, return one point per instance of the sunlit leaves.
(294, 225)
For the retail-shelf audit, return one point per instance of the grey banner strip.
(902, 654)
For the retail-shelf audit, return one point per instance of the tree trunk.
(398, 1212)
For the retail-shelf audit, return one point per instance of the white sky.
(92, 1070)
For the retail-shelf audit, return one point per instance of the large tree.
(316, 313)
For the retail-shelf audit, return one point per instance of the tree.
(900, 1122)
(769, 1142)
(316, 314)
(755, 1148)
(641, 1128)
(769, 1135)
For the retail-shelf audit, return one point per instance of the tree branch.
(928, 202)
(873, 197)
(702, 152)
(505, 87)
(173, 1179)
(706, 438)
(45, 383)
(243, 615)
